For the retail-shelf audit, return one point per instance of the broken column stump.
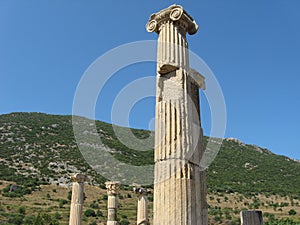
(251, 217)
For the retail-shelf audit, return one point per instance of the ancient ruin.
(77, 199)
(113, 188)
(179, 186)
(142, 208)
(251, 217)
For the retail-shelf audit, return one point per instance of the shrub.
(150, 198)
(62, 202)
(69, 195)
(124, 222)
(93, 223)
(99, 213)
(21, 210)
(29, 220)
(90, 213)
(102, 186)
(94, 205)
(57, 216)
(16, 219)
(104, 197)
(292, 212)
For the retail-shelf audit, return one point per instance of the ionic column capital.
(141, 191)
(177, 15)
(79, 178)
(113, 187)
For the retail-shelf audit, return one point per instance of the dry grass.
(39, 202)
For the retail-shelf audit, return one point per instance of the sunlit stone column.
(180, 186)
(251, 217)
(142, 209)
(77, 199)
(113, 188)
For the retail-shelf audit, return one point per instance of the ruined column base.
(112, 223)
(251, 217)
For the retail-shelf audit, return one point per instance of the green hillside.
(250, 169)
(40, 149)
(43, 147)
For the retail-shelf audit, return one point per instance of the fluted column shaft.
(112, 202)
(180, 186)
(172, 48)
(251, 217)
(142, 209)
(77, 199)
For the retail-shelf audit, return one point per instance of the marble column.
(142, 209)
(251, 217)
(113, 188)
(179, 186)
(77, 199)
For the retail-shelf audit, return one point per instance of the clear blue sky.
(253, 48)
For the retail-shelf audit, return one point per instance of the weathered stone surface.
(180, 186)
(172, 24)
(113, 188)
(77, 199)
(174, 13)
(252, 217)
(142, 210)
(197, 78)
